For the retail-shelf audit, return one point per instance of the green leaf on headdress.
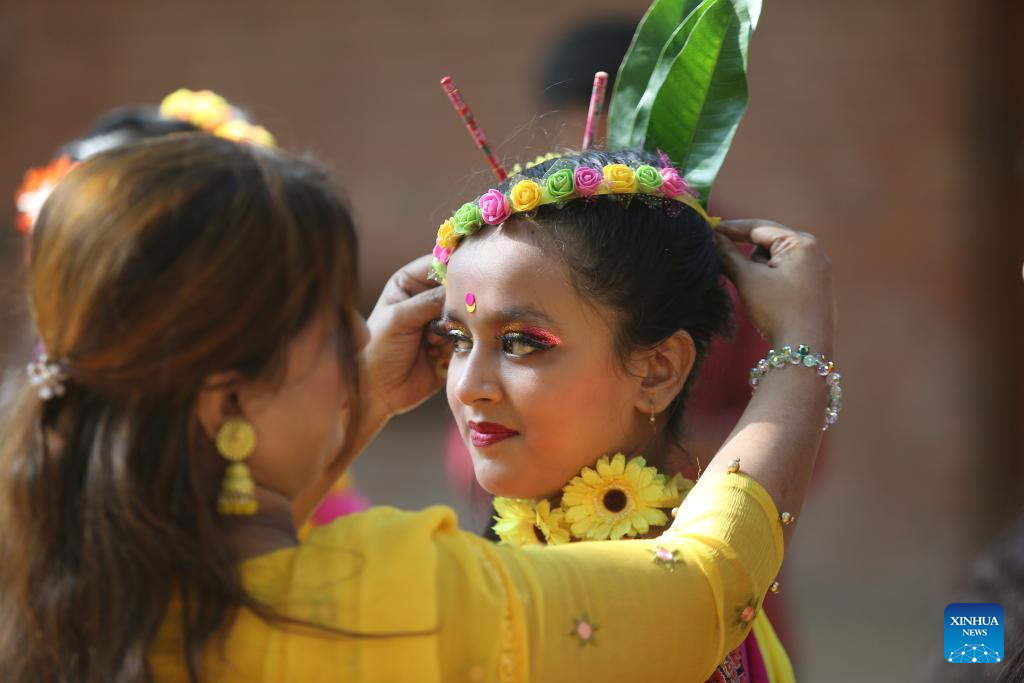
(696, 93)
(654, 31)
(663, 70)
(696, 112)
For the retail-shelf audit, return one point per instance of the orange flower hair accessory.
(36, 186)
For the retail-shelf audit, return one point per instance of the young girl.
(577, 329)
(198, 394)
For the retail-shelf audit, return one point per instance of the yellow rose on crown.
(525, 195)
(620, 179)
(446, 236)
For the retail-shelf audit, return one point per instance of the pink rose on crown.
(442, 254)
(587, 180)
(674, 184)
(494, 207)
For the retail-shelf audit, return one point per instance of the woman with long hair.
(205, 380)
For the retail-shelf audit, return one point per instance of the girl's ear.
(663, 371)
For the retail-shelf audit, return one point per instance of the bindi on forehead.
(520, 317)
(500, 276)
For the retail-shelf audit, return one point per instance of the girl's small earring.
(653, 420)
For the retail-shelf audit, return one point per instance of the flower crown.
(681, 89)
(204, 109)
(560, 186)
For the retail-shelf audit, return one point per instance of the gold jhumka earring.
(236, 440)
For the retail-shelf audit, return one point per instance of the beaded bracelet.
(803, 356)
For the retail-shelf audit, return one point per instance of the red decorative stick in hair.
(448, 85)
(596, 107)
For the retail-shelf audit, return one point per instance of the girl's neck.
(670, 458)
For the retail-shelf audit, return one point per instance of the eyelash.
(455, 335)
(534, 343)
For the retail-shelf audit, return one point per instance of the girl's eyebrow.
(448, 317)
(526, 313)
(443, 325)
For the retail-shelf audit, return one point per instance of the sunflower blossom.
(615, 499)
(551, 523)
(675, 490)
(524, 522)
(515, 522)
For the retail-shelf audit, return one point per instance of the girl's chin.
(507, 485)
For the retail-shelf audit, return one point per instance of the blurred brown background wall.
(891, 129)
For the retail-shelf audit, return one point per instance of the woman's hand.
(397, 369)
(785, 285)
(399, 366)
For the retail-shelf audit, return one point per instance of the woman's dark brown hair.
(154, 266)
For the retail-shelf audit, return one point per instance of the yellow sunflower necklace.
(617, 498)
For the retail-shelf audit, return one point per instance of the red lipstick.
(484, 434)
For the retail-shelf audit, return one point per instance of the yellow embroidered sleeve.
(672, 606)
(395, 596)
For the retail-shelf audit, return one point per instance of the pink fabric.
(338, 505)
(753, 662)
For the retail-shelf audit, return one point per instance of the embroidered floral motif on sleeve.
(584, 631)
(745, 615)
(666, 558)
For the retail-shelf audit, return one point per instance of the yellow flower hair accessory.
(203, 108)
(212, 113)
(243, 131)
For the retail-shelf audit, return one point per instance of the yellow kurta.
(419, 600)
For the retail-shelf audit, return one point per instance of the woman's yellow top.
(409, 597)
